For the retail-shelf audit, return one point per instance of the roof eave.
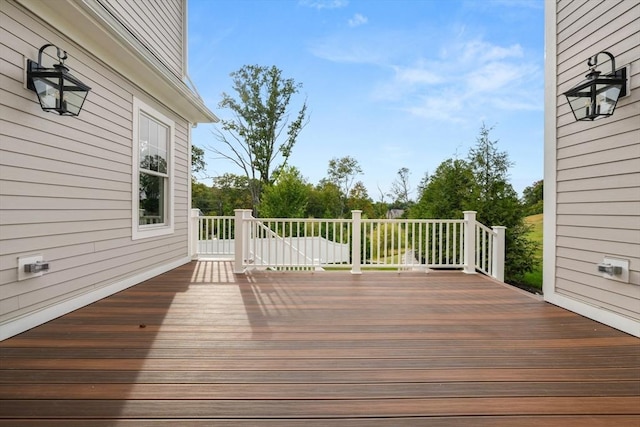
(89, 24)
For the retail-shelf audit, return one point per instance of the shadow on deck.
(200, 346)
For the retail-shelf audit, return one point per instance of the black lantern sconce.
(57, 90)
(596, 97)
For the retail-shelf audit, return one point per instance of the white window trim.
(153, 230)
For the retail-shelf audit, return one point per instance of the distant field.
(534, 279)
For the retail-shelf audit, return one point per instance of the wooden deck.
(200, 346)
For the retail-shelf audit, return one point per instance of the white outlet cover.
(617, 262)
(22, 261)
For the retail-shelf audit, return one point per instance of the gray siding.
(157, 24)
(598, 164)
(65, 183)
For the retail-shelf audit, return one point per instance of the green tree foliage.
(497, 203)
(480, 183)
(343, 172)
(287, 197)
(359, 199)
(231, 192)
(325, 201)
(533, 198)
(446, 193)
(197, 160)
(202, 197)
(259, 138)
(228, 192)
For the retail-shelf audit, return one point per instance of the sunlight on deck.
(210, 271)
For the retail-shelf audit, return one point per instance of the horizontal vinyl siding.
(157, 24)
(598, 163)
(65, 182)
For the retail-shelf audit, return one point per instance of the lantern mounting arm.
(593, 61)
(62, 54)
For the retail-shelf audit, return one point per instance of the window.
(152, 172)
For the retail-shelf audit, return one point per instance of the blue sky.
(392, 83)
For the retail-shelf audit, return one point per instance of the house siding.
(597, 199)
(158, 24)
(65, 182)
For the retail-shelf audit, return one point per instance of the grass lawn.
(534, 279)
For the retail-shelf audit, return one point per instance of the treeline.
(478, 182)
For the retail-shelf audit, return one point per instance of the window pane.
(153, 149)
(162, 149)
(151, 197)
(144, 141)
(153, 140)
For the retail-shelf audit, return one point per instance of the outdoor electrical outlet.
(615, 269)
(30, 267)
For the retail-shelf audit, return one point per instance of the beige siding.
(65, 183)
(159, 25)
(598, 164)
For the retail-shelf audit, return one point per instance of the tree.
(259, 138)
(324, 201)
(359, 199)
(533, 198)
(343, 172)
(287, 197)
(197, 159)
(497, 203)
(231, 191)
(401, 188)
(481, 183)
(447, 193)
(203, 198)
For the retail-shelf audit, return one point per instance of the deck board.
(199, 346)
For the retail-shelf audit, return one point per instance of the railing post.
(497, 270)
(241, 230)
(356, 241)
(194, 228)
(469, 242)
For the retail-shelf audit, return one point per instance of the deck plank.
(197, 345)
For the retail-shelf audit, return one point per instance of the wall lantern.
(596, 97)
(57, 90)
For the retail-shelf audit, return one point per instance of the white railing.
(215, 236)
(489, 252)
(417, 243)
(295, 243)
(356, 244)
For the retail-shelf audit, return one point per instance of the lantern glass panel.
(606, 98)
(48, 92)
(580, 105)
(72, 101)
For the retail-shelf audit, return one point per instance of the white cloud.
(494, 76)
(477, 50)
(469, 78)
(358, 20)
(417, 75)
(454, 79)
(324, 4)
(360, 48)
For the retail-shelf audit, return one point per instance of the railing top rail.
(337, 220)
(416, 220)
(216, 217)
(485, 228)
